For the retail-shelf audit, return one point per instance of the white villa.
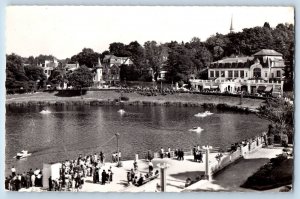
(48, 66)
(260, 73)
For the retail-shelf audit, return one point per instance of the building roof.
(112, 59)
(106, 57)
(267, 52)
(234, 59)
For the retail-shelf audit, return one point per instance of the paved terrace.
(177, 173)
(229, 179)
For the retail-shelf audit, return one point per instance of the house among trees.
(48, 66)
(260, 73)
(111, 68)
(71, 67)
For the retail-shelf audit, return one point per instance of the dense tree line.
(180, 60)
(23, 77)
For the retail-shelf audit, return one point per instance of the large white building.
(262, 72)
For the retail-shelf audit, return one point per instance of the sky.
(64, 31)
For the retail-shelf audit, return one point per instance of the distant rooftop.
(268, 52)
(234, 59)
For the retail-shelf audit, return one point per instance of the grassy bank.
(278, 172)
(112, 98)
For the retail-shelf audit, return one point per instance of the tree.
(267, 25)
(36, 75)
(86, 57)
(179, 64)
(217, 44)
(201, 56)
(118, 49)
(15, 73)
(41, 59)
(137, 54)
(129, 73)
(81, 78)
(153, 56)
(280, 113)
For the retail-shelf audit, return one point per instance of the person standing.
(150, 166)
(169, 152)
(104, 176)
(101, 156)
(33, 180)
(182, 154)
(13, 171)
(161, 153)
(194, 153)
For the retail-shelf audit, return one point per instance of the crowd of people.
(71, 175)
(73, 172)
(16, 181)
(137, 178)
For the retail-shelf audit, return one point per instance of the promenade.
(228, 179)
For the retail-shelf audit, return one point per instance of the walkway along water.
(177, 171)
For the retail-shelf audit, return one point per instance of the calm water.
(70, 130)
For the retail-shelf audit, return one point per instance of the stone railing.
(242, 151)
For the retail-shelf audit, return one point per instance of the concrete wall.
(242, 151)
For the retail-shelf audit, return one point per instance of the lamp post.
(207, 166)
(118, 135)
(163, 176)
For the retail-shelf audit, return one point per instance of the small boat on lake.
(197, 129)
(23, 154)
(45, 112)
(204, 114)
(121, 111)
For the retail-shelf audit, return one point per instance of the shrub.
(124, 98)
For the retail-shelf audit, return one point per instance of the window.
(266, 74)
(230, 73)
(46, 71)
(278, 73)
(236, 73)
(242, 74)
(256, 72)
(212, 73)
(246, 74)
(222, 73)
(217, 73)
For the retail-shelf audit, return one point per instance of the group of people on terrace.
(73, 172)
(135, 177)
(197, 153)
(177, 153)
(16, 181)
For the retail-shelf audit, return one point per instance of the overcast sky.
(65, 31)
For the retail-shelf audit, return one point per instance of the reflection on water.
(70, 130)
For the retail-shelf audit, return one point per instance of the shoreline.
(112, 98)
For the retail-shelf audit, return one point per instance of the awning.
(214, 87)
(269, 89)
(261, 89)
(206, 87)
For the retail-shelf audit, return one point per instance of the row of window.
(236, 73)
(231, 74)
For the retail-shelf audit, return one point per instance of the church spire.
(231, 26)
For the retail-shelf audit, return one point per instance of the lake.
(70, 130)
